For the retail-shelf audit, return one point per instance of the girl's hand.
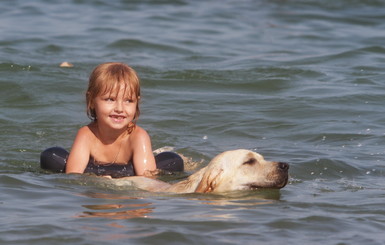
(151, 173)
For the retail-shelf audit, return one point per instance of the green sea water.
(297, 81)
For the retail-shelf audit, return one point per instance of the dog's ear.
(209, 180)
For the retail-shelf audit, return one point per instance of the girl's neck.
(108, 136)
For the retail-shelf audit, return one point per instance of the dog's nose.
(283, 166)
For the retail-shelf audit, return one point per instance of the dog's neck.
(188, 185)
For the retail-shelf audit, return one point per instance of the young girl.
(112, 137)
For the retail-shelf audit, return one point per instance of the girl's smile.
(117, 118)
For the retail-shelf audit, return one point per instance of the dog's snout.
(283, 166)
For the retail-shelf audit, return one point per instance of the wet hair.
(105, 78)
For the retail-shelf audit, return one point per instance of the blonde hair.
(108, 76)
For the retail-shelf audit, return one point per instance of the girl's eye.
(109, 99)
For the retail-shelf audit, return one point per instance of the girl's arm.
(80, 153)
(143, 157)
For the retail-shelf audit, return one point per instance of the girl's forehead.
(119, 89)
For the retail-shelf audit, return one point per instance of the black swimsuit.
(55, 159)
(115, 170)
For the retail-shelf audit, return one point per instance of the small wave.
(324, 168)
(51, 48)
(17, 67)
(129, 44)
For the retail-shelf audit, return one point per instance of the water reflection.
(238, 198)
(134, 211)
(116, 211)
(143, 208)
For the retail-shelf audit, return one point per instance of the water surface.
(297, 81)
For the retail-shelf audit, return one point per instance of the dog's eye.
(251, 161)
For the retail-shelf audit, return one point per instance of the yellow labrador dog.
(228, 171)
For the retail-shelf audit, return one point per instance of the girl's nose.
(119, 106)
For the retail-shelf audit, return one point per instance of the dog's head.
(242, 170)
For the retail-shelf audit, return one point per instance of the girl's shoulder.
(86, 132)
(139, 130)
(86, 129)
(138, 133)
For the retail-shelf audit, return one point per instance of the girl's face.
(115, 109)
